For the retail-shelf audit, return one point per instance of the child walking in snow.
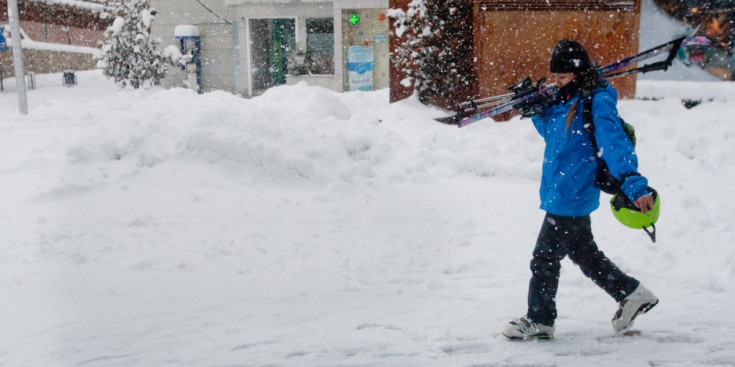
(569, 194)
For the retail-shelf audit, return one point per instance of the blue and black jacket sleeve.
(615, 148)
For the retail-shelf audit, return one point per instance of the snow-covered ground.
(308, 228)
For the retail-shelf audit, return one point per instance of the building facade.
(248, 46)
(55, 36)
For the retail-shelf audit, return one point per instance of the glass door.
(272, 41)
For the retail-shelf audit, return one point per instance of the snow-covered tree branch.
(434, 52)
(130, 55)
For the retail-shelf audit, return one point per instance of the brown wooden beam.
(575, 5)
(58, 14)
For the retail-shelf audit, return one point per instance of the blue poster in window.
(3, 45)
(360, 68)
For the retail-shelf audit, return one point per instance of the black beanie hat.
(569, 57)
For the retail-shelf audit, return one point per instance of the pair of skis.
(525, 92)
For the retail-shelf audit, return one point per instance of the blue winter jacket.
(570, 167)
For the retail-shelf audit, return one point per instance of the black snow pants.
(572, 236)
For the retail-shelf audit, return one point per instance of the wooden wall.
(54, 23)
(511, 43)
(58, 14)
(46, 62)
(514, 38)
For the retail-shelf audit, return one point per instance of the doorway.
(272, 41)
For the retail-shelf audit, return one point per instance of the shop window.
(320, 45)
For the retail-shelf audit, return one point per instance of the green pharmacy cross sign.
(354, 19)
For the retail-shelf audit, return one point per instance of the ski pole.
(488, 99)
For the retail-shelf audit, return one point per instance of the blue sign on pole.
(3, 45)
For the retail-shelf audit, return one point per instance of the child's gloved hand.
(533, 107)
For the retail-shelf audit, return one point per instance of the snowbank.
(686, 90)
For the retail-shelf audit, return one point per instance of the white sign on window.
(360, 68)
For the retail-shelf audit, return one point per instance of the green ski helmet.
(626, 212)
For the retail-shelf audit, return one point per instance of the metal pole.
(248, 57)
(236, 54)
(198, 62)
(17, 57)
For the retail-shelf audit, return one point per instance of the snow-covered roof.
(91, 5)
